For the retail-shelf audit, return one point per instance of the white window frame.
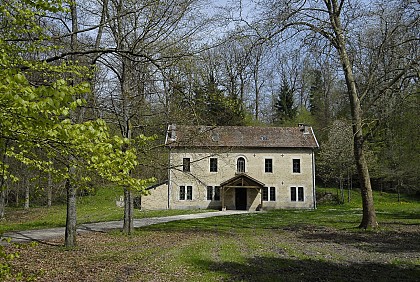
(189, 197)
(237, 164)
(271, 188)
(272, 164)
(217, 165)
(297, 188)
(300, 165)
(189, 164)
(269, 198)
(186, 198)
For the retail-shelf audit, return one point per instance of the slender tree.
(330, 20)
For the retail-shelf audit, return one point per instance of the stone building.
(236, 167)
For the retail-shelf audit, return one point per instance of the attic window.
(264, 138)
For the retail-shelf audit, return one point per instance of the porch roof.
(242, 180)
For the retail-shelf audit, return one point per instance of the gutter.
(313, 179)
(169, 179)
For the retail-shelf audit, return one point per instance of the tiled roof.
(241, 136)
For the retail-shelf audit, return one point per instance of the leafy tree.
(326, 24)
(37, 116)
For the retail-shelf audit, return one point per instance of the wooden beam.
(254, 187)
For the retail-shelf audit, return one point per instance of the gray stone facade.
(249, 168)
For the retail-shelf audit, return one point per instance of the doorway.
(241, 198)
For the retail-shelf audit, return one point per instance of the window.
(272, 194)
(189, 192)
(265, 193)
(217, 193)
(240, 165)
(293, 194)
(186, 164)
(185, 196)
(297, 195)
(296, 165)
(213, 194)
(213, 164)
(182, 192)
(268, 165)
(300, 194)
(209, 193)
(269, 194)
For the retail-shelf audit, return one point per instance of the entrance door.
(240, 198)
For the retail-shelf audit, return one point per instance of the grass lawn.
(282, 245)
(92, 208)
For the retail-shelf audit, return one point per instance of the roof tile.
(241, 136)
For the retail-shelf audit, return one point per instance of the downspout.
(169, 179)
(313, 168)
(313, 178)
(168, 204)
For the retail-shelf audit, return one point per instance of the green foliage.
(214, 108)
(320, 98)
(399, 149)
(6, 259)
(37, 117)
(284, 107)
(302, 116)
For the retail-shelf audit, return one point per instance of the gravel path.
(51, 233)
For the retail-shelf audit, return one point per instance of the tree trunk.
(17, 196)
(257, 94)
(70, 235)
(241, 92)
(349, 184)
(341, 191)
(369, 215)
(2, 201)
(49, 190)
(71, 219)
(128, 227)
(27, 194)
(3, 178)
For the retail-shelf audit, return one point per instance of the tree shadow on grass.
(282, 269)
(400, 215)
(374, 241)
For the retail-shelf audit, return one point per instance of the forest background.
(130, 68)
